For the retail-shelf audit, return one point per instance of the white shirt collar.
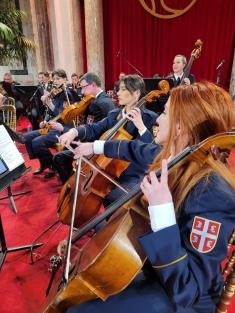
(123, 113)
(176, 76)
(98, 94)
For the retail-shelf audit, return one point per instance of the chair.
(11, 101)
(229, 284)
(78, 120)
(8, 113)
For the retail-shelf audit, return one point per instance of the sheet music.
(8, 150)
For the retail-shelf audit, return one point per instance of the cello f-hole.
(67, 191)
(85, 187)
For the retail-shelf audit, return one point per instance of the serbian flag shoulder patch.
(204, 234)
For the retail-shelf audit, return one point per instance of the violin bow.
(66, 94)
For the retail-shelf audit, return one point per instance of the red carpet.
(23, 285)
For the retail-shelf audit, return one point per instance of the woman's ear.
(181, 138)
(177, 131)
(137, 94)
(176, 146)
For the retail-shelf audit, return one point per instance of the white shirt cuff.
(142, 131)
(98, 146)
(162, 216)
(75, 132)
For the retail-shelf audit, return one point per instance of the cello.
(118, 240)
(94, 183)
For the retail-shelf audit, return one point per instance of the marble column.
(232, 80)
(42, 36)
(94, 37)
(66, 35)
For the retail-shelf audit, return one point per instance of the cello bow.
(199, 152)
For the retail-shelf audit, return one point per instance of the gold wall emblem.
(173, 12)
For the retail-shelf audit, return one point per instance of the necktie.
(178, 81)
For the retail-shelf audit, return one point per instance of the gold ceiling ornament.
(174, 12)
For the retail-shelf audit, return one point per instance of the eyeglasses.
(85, 86)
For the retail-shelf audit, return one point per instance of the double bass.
(194, 55)
(94, 185)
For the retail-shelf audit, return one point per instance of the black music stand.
(6, 181)
(4, 250)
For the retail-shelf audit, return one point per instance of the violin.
(115, 249)
(70, 113)
(97, 174)
(56, 91)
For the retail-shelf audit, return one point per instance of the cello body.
(94, 270)
(93, 187)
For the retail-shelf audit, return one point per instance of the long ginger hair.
(199, 110)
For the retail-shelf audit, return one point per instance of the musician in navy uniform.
(38, 145)
(192, 213)
(139, 126)
(98, 109)
(37, 111)
(75, 88)
(179, 64)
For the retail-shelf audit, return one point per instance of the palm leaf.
(5, 32)
(28, 43)
(13, 43)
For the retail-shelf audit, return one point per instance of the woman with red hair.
(191, 210)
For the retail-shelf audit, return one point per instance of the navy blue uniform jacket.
(190, 276)
(99, 108)
(191, 77)
(134, 152)
(139, 153)
(95, 130)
